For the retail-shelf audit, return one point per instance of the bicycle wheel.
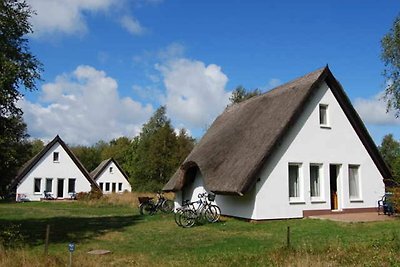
(147, 208)
(187, 218)
(167, 206)
(213, 213)
(177, 216)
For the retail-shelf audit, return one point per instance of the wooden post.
(46, 241)
(288, 237)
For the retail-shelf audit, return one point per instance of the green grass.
(156, 240)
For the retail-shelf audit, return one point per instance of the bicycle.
(149, 207)
(189, 214)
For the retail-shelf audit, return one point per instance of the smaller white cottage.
(55, 170)
(110, 177)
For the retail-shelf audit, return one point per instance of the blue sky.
(108, 64)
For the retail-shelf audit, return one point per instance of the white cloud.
(64, 16)
(84, 107)
(373, 111)
(132, 25)
(195, 93)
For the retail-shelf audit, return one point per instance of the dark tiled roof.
(32, 162)
(244, 136)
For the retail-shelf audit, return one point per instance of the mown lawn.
(149, 241)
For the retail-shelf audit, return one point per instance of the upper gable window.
(111, 169)
(56, 156)
(323, 115)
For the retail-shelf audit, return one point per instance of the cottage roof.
(240, 141)
(103, 165)
(33, 161)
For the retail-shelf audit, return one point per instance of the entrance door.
(334, 177)
(60, 188)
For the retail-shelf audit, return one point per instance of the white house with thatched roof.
(297, 150)
(55, 170)
(110, 177)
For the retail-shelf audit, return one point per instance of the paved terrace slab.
(356, 217)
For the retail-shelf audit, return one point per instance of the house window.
(120, 187)
(114, 187)
(294, 181)
(37, 183)
(101, 186)
(107, 186)
(49, 184)
(315, 180)
(71, 185)
(56, 156)
(323, 115)
(111, 169)
(354, 182)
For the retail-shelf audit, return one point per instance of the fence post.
(46, 241)
(288, 237)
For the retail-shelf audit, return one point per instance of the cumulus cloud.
(132, 25)
(60, 16)
(373, 111)
(195, 92)
(84, 107)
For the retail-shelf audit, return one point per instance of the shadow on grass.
(66, 229)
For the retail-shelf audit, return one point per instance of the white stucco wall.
(115, 176)
(308, 143)
(230, 205)
(65, 168)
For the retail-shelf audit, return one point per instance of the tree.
(240, 94)
(18, 68)
(156, 153)
(390, 151)
(390, 55)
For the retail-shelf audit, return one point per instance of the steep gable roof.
(103, 165)
(32, 162)
(244, 136)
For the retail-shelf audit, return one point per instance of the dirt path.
(356, 217)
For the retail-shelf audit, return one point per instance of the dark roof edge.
(40, 155)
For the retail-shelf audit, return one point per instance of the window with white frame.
(323, 115)
(49, 184)
(119, 187)
(354, 182)
(315, 180)
(111, 169)
(107, 187)
(101, 186)
(294, 181)
(37, 185)
(71, 185)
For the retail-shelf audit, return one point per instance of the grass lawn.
(156, 240)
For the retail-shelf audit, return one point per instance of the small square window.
(56, 156)
(323, 115)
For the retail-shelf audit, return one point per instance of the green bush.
(11, 236)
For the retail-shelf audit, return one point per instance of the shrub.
(10, 236)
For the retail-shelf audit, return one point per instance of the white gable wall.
(115, 176)
(308, 143)
(65, 168)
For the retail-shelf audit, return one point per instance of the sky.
(109, 64)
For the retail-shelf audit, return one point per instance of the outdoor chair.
(385, 204)
(48, 195)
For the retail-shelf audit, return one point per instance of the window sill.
(56, 162)
(325, 127)
(37, 193)
(296, 201)
(356, 200)
(318, 200)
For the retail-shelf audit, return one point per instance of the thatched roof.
(32, 162)
(244, 136)
(103, 165)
